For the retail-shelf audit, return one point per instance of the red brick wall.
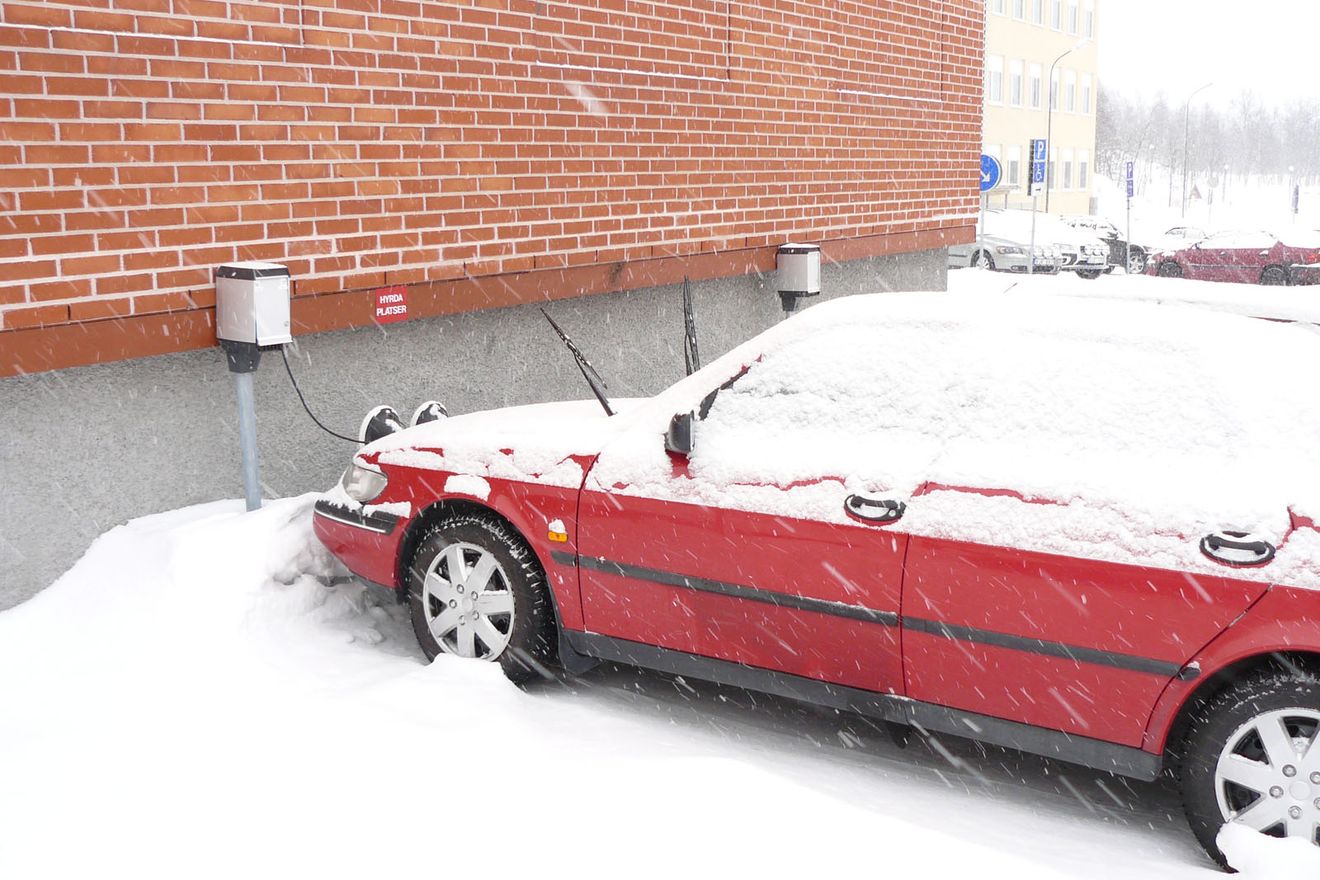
(486, 152)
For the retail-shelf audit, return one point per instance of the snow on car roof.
(1106, 429)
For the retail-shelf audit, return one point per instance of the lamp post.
(1292, 188)
(1187, 121)
(1049, 118)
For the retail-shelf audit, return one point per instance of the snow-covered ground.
(193, 700)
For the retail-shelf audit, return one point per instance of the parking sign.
(1131, 190)
(1038, 153)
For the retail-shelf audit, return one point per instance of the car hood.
(548, 443)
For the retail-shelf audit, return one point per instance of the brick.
(33, 316)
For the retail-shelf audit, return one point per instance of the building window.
(1054, 91)
(1083, 169)
(1049, 169)
(1038, 11)
(1056, 14)
(1019, 9)
(997, 6)
(1035, 86)
(1086, 93)
(1015, 83)
(994, 78)
(1088, 19)
(1014, 170)
(1067, 169)
(1070, 91)
(1072, 16)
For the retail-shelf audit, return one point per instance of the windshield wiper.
(691, 357)
(588, 371)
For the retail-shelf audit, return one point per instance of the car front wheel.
(476, 590)
(1252, 756)
(1170, 269)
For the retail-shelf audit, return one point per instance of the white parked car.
(1077, 250)
(1004, 255)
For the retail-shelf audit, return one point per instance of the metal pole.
(247, 439)
(1187, 119)
(1127, 256)
(1031, 260)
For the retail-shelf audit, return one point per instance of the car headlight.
(1005, 249)
(362, 483)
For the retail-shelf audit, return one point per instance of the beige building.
(1024, 40)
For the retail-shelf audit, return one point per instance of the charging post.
(251, 315)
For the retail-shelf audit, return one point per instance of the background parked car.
(1245, 257)
(1078, 251)
(1003, 255)
(1116, 241)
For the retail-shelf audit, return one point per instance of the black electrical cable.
(285, 354)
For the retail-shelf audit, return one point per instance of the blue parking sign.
(991, 172)
(1038, 154)
(1131, 189)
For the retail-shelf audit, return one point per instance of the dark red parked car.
(1082, 529)
(1245, 257)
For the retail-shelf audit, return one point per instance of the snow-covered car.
(1245, 257)
(1004, 255)
(1116, 240)
(1076, 250)
(1080, 528)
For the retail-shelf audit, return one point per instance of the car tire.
(1136, 262)
(1274, 276)
(1223, 740)
(1089, 275)
(1170, 269)
(507, 616)
(983, 257)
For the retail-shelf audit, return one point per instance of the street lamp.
(1187, 119)
(1049, 116)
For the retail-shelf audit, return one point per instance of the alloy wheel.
(467, 602)
(1268, 774)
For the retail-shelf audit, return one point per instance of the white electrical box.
(252, 303)
(799, 269)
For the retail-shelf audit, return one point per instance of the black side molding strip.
(956, 632)
(1086, 751)
(1041, 646)
(739, 591)
(380, 523)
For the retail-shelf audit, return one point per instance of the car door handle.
(874, 510)
(1238, 549)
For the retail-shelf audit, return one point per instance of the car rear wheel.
(476, 590)
(1274, 276)
(1253, 756)
(1170, 269)
(1136, 262)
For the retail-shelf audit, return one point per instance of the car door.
(759, 547)
(1067, 556)
(1077, 645)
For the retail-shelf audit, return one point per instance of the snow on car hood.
(541, 443)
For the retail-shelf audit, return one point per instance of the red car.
(1082, 529)
(1245, 257)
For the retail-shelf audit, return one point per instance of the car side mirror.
(678, 439)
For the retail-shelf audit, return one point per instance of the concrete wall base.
(89, 448)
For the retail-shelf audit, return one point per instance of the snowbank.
(1257, 857)
(197, 698)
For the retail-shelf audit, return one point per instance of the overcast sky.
(1270, 46)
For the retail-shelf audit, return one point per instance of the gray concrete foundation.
(89, 448)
